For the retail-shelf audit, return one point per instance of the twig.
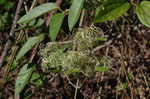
(76, 91)
(10, 61)
(11, 34)
(82, 18)
(25, 6)
(33, 53)
(60, 43)
(33, 4)
(71, 82)
(101, 46)
(6, 47)
(12, 56)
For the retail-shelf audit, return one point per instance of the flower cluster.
(75, 56)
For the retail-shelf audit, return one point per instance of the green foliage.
(37, 11)
(35, 23)
(38, 23)
(6, 4)
(111, 10)
(74, 13)
(55, 25)
(29, 45)
(23, 78)
(107, 10)
(143, 12)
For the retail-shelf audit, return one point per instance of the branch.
(12, 32)
(60, 43)
(102, 46)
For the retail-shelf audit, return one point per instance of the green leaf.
(143, 12)
(31, 23)
(39, 23)
(23, 78)
(74, 12)
(37, 79)
(102, 69)
(28, 45)
(37, 11)
(111, 10)
(55, 25)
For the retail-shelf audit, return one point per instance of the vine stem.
(76, 90)
(60, 43)
(82, 18)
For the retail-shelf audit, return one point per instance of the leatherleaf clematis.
(79, 60)
(86, 38)
(75, 56)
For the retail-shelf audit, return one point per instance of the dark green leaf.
(23, 78)
(37, 11)
(55, 25)
(74, 12)
(111, 10)
(28, 45)
(143, 12)
(36, 79)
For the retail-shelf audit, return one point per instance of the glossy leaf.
(143, 12)
(23, 78)
(37, 11)
(74, 13)
(111, 10)
(55, 25)
(28, 45)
